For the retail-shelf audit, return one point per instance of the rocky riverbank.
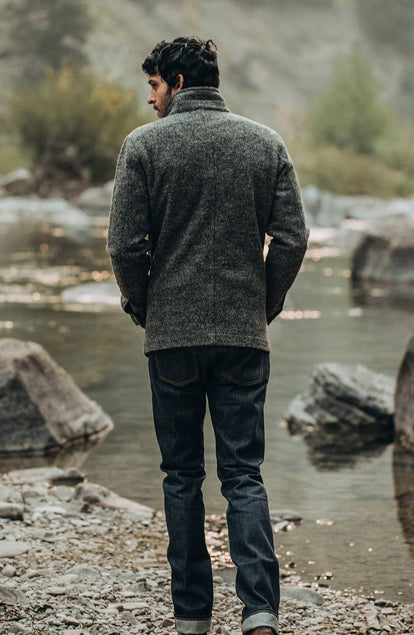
(77, 559)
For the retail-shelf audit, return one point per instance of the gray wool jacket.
(195, 192)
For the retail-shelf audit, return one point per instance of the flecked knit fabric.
(194, 194)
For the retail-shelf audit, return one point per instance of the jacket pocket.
(246, 366)
(176, 366)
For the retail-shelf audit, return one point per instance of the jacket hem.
(158, 344)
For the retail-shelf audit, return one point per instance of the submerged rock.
(347, 408)
(40, 405)
(384, 257)
(404, 399)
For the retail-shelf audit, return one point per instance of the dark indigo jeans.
(234, 381)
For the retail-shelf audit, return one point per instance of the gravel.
(75, 568)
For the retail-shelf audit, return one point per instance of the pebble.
(88, 569)
(13, 548)
(277, 515)
(281, 526)
(301, 595)
(13, 511)
(57, 590)
(63, 492)
(9, 571)
(11, 595)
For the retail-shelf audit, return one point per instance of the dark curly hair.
(191, 57)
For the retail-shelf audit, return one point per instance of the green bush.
(74, 122)
(350, 114)
(346, 172)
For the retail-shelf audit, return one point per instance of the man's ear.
(180, 82)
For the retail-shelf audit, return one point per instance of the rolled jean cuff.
(192, 626)
(260, 618)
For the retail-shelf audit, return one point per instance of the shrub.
(350, 114)
(74, 122)
(346, 172)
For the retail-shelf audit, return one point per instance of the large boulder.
(404, 399)
(18, 183)
(347, 408)
(384, 259)
(41, 407)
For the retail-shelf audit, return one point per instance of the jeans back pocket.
(177, 366)
(246, 366)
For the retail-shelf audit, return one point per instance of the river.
(354, 530)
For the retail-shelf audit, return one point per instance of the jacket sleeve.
(287, 226)
(129, 230)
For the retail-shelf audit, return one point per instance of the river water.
(358, 511)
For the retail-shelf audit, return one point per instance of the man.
(194, 195)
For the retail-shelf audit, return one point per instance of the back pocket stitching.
(178, 383)
(245, 383)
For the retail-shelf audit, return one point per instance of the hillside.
(274, 55)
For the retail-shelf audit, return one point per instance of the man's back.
(211, 179)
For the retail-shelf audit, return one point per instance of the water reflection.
(65, 457)
(403, 471)
(382, 294)
(324, 458)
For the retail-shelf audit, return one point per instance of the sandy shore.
(77, 559)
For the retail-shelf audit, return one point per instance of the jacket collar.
(196, 98)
